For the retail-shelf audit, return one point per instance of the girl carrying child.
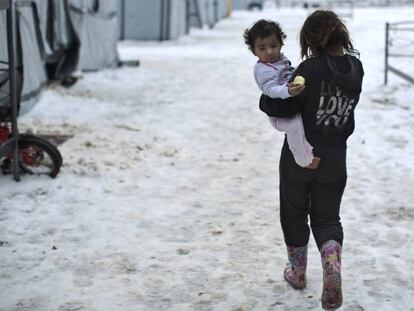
(333, 75)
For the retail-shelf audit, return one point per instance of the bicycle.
(36, 155)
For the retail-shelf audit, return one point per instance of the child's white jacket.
(272, 78)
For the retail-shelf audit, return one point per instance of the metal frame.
(11, 145)
(399, 26)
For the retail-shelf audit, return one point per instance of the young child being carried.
(272, 73)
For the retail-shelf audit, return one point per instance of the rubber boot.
(332, 282)
(295, 272)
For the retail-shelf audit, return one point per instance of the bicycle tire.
(38, 157)
(45, 141)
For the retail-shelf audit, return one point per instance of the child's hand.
(295, 89)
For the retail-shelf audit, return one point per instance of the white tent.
(98, 48)
(153, 20)
(31, 73)
(60, 41)
(211, 11)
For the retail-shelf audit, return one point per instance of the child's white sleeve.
(267, 79)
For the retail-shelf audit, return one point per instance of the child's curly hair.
(262, 29)
(321, 31)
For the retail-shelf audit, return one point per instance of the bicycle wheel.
(38, 157)
(46, 142)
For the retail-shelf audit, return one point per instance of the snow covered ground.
(168, 197)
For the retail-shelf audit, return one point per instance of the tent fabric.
(4, 88)
(153, 20)
(211, 11)
(177, 20)
(61, 42)
(5, 107)
(84, 5)
(42, 9)
(44, 39)
(30, 70)
(32, 60)
(48, 47)
(107, 7)
(98, 48)
(55, 38)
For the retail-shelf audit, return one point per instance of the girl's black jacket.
(332, 89)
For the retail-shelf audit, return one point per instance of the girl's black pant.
(313, 195)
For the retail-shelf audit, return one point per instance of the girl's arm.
(286, 108)
(282, 108)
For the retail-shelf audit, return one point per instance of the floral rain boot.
(332, 282)
(295, 272)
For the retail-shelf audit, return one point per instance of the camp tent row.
(57, 38)
(54, 39)
(211, 11)
(152, 20)
(168, 19)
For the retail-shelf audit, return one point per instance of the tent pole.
(162, 20)
(122, 22)
(187, 17)
(168, 21)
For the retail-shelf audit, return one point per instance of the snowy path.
(168, 195)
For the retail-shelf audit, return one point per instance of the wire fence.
(399, 43)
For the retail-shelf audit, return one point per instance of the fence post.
(387, 27)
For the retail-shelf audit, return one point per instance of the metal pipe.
(13, 94)
(401, 74)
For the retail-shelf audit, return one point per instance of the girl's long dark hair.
(323, 30)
